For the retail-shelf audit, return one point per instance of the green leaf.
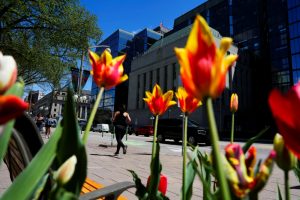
(17, 89)
(62, 194)
(141, 190)
(71, 144)
(279, 197)
(297, 170)
(253, 139)
(40, 187)
(24, 185)
(190, 177)
(204, 171)
(155, 168)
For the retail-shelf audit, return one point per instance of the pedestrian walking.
(48, 124)
(120, 120)
(39, 119)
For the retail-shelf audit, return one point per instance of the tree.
(45, 37)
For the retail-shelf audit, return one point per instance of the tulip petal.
(11, 107)
(286, 110)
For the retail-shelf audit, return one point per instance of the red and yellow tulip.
(203, 66)
(234, 102)
(107, 72)
(239, 171)
(286, 112)
(187, 102)
(158, 102)
(8, 72)
(11, 107)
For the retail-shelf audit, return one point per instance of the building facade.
(267, 36)
(54, 102)
(159, 65)
(117, 42)
(123, 42)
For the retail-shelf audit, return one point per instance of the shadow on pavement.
(171, 142)
(295, 187)
(108, 155)
(143, 154)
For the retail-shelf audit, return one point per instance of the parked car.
(172, 129)
(101, 128)
(144, 130)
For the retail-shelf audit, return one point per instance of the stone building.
(159, 65)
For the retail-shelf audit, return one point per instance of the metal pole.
(80, 75)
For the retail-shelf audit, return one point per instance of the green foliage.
(190, 177)
(204, 170)
(253, 139)
(45, 37)
(297, 170)
(279, 196)
(71, 137)
(150, 192)
(16, 89)
(64, 143)
(24, 185)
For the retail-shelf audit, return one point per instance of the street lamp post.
(81, 73)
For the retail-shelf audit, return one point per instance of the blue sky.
(133, 15)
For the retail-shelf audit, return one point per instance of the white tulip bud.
(8, 72)
(66, 170)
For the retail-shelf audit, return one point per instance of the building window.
(138, 92)
(166, 78)
(54, 110)
(144, 76)
(151, 80)
(157, 76)
(174, 76)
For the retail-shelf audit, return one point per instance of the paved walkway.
(107, 169)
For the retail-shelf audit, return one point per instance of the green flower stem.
(232, 128)
(154, 138)
(286, 185)
(184, 157)
(92, 116)
(217, 159)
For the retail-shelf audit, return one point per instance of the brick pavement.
(107, 169)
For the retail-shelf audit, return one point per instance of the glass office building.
(267, 34)
(294, 35)
(116, 42)
(123, 42)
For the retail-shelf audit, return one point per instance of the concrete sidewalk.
(105, 168)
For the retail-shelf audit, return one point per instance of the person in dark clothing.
(120, 120)
(39, 122)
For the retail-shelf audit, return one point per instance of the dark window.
(157, 76)
(144, 77)
(166, 78)
(151, 80)
(138, 92)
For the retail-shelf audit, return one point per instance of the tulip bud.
(284, 158)
(234, 103)
(66, 170)
(8, 72)
(163, 183)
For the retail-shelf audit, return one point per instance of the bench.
(26, 142)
